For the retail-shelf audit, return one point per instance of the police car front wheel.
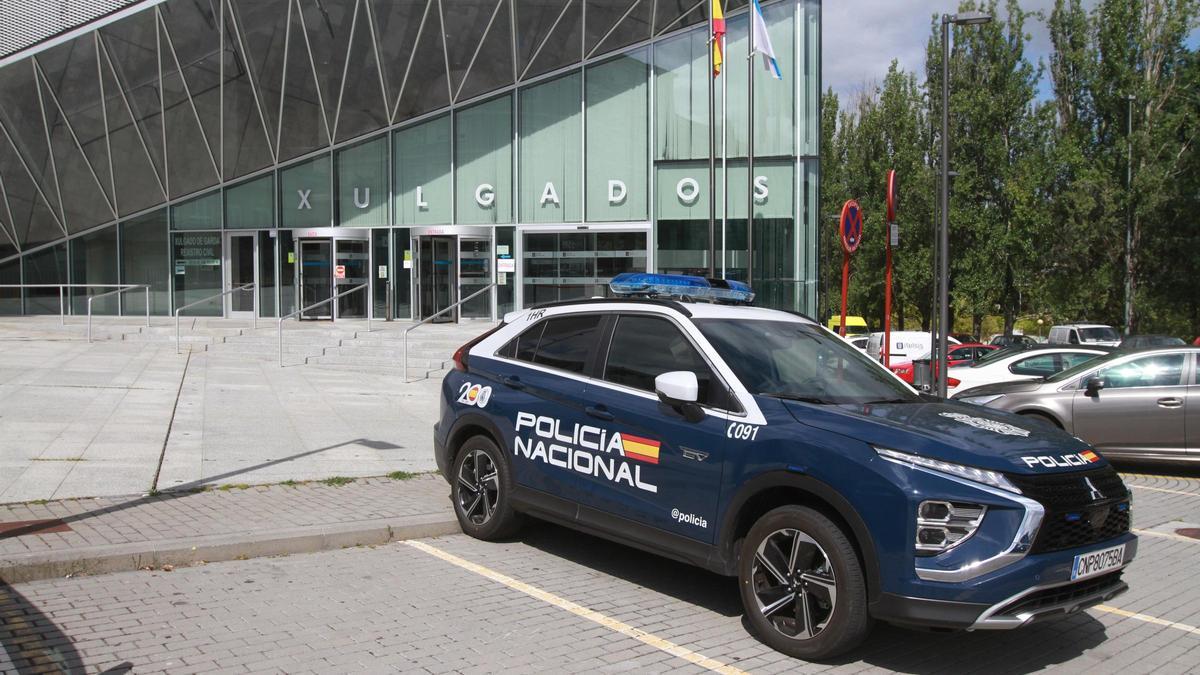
(481, 490)
(802, 586)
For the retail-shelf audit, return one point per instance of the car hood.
(1014, 387)
(952, 432)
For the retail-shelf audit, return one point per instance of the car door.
(675, 464)
(1141, 408)
(542, 394)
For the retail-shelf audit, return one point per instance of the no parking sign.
(851, 226)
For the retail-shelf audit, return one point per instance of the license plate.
(1097, 562)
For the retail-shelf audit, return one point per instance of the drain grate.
(20, 528)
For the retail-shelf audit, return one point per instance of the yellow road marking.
(581, 611)
(1148, 619)
(1166, 535)
(1157, 489)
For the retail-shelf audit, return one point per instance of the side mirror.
(1094, 385)
(681, 390)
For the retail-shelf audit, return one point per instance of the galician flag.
(718, 37)
(762, 41)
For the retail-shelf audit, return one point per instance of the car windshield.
(1077, 370)
(1098, 334)
(793, 360)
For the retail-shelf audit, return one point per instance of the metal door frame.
(334, 241)
(227, 280)
(419, 244)
(299, 265)
(457, 233)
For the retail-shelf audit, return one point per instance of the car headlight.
(982, 399)
(985, 476)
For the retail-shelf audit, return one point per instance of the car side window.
(562, 342)
(1161, 370)
(1041, 365)
(644, 347)
(1072, 360)
(1074, 339)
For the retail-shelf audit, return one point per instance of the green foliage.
(402, 475)
(336, 481)
(1040, 202)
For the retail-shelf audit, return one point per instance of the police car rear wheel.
(481, 489)
(801, 584)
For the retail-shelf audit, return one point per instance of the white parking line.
(1148, 619)
(581, 611)
(1158, 489)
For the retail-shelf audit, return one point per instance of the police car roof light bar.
(650, 285)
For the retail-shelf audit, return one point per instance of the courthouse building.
(426, 148)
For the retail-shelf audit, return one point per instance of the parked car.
(1084, 334)
(1002, 340)
(1144, 405)
(855, 325)
(859, 341)
(965, 338)
(906, 344)
(957, 355)
(1148, 341)
(1028, 362)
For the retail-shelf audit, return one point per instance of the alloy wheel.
(478, 487)
(794, 584)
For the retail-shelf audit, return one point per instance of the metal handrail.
(331, 298)
(122, 289)
(62, 312)
(433, 316)
(243, 287)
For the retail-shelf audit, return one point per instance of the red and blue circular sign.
(851, 226)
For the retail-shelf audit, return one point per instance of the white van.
(906, 345)
(1096, 334)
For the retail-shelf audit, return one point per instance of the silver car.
(1131, 405)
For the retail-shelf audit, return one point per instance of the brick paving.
(395, 608)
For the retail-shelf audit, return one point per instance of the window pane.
(524, 346)
(287, 272)
(202, 213)
(94, 261)
(363, 184)
(567, 341)
(402, 295)
(484, 162)
(1043, 365)
(47, 266)
(251, 205)
(645, 347)
(266, 274)
(379, 251)
(144, 260)
(551, 151)
(505, 281)
(197, 257)
(617, 136)
(10, 298)
(421, 158)
(304, 195)
(1164, 370)
(680, 88)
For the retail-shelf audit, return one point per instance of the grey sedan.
(1130, 405)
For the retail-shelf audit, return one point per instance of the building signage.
(198, 249)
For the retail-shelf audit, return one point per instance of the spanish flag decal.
(641, 449)
(1090, 456)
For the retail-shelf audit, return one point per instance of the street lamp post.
(943, 252)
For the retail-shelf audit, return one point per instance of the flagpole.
(712, 135)
(750, 154)
(724, 162)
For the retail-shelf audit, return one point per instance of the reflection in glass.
(201, 213)
(241, 272)
(145, 260)
(94, 261)
(551, 147)
(363, 184)
(47, 266)
(680, 88)
(474, 274)
(421, 160)
(618, 94)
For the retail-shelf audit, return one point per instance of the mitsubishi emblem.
(1093, 491)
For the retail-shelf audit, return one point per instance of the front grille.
(1049, 597)
(1082, 508)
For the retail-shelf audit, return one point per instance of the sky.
(861, 37)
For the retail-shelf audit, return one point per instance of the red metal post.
(845, 288)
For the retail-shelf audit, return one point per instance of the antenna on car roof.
(681, 287)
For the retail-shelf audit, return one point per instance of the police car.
(757, 444)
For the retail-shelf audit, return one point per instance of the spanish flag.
(718, 37)
(641, 449)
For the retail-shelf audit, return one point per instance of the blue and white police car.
(757, 444)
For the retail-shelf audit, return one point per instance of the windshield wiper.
(795, 397)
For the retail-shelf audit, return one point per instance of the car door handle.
(599, 412)
(1171, 402)
(513, 382)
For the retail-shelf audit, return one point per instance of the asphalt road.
(554, 600)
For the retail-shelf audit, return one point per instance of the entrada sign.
(687, 189)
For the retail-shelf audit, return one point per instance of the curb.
(106, 559)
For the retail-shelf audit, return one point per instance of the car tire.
(481, 490)
(810, 600)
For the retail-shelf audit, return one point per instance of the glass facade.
(556, 143)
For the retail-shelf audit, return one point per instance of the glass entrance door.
(474, 274)
(437, 266)
(351, 270)
(242, 270)
(316, 277)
